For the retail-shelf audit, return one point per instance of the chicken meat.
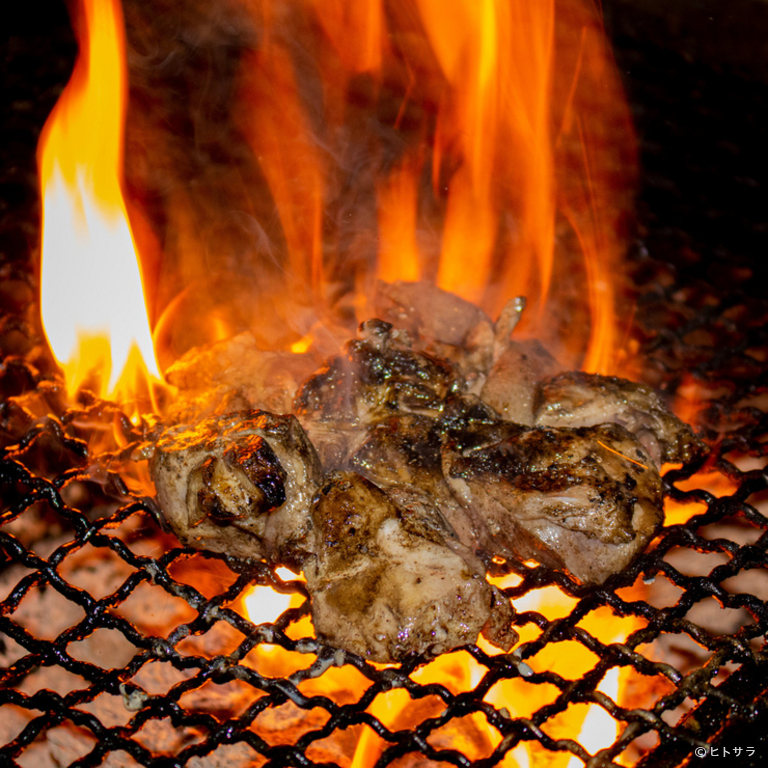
(376, 376)
(385, 585)
(585, 500)
(411, 460)
(578, 399)
(242, 483)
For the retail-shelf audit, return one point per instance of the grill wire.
(46, 461)
(62, 509)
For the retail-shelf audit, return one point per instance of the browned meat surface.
(241, 483)
(401, 455)
(448, 327)
(512, 383)
(583, 400)
(377, 375)
(385, 585)
(586, 500)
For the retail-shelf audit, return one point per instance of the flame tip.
(92, 298)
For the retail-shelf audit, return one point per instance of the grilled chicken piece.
(511, 387)
(401, 455)
(428, 312)
(241, 484)
(584, 400)
(384, 584)
(587, 500)
(377, 375)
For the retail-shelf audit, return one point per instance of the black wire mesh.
(120, 648)
(94, 591)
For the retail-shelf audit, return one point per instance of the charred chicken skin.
(385, 585)
(376, 376)
(242, 484)
(404, 473)
(583, 400)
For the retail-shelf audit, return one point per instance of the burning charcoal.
(240, 484)
(583, 400)
(377, 375)
(585, 500)
(385, 585)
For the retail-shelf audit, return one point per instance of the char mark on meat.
(583, 400)
(443, 447)
(586, 500)
(385, 584)
(240, 484)
(376, 376)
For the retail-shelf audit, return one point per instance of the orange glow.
(498, 58)
(678, 513)
(292, 166)
(302, 345)
(588, 723)
(619, 453)
(263, 604)
(398, 246)
(92, 301)
(482, 146)
(362, 51)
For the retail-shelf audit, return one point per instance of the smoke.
(287, 154)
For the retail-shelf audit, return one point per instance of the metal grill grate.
(65, 516)
(119, 648)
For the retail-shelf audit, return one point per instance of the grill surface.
(111, 657)
(49, 537)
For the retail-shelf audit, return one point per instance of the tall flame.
(483, 146)
(499, 164)
(92, 301)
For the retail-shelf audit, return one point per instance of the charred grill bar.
(86, 566)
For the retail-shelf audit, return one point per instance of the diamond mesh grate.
(118, 648)
(161, 667)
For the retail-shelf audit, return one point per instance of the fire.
(499, 184)
(589, 724)
(499, 172)
(92, 300)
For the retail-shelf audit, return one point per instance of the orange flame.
(492, 154)
(588, 723)
(507, 153)
(92, 300)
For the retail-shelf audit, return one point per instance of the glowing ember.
(91, 297)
